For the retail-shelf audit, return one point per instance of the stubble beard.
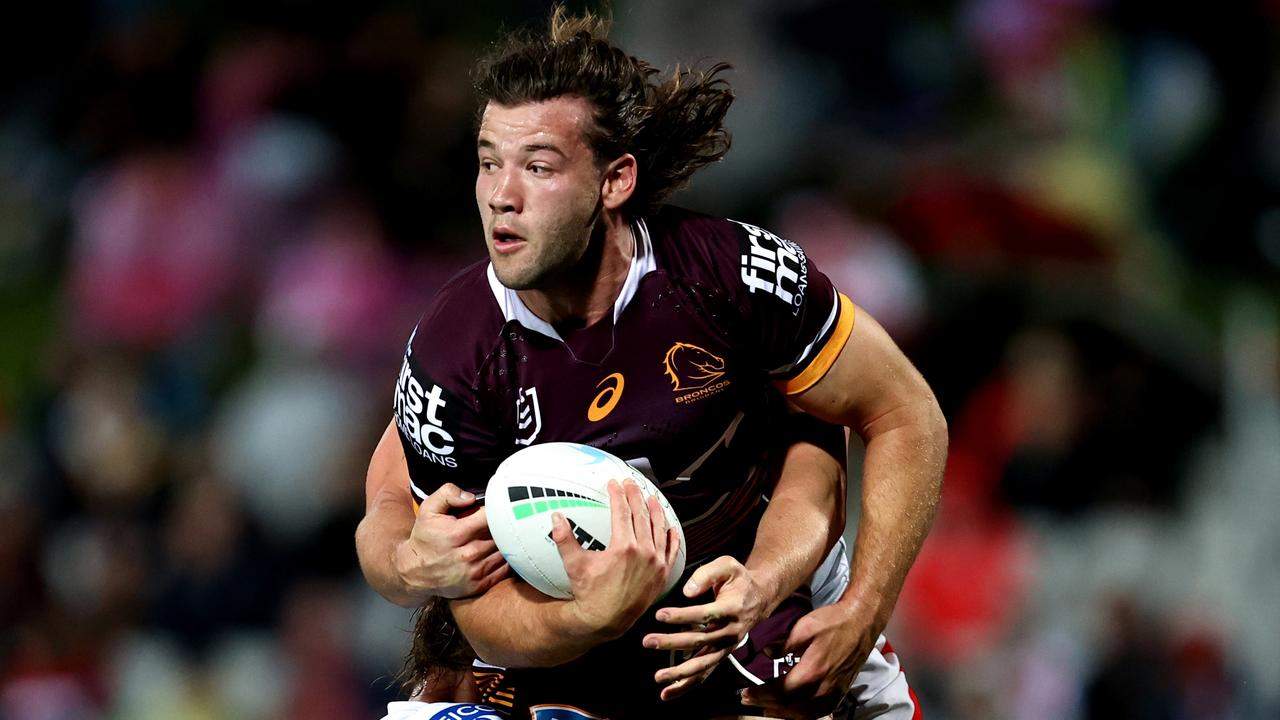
(560, 260)
(564, 260)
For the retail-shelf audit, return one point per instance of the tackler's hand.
(715, 629)
(833, 643)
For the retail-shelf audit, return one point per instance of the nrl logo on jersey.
(694, 371)
(774, 265)
(528, 416)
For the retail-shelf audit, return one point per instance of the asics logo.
(607, 398)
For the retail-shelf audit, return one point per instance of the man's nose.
(505, 195)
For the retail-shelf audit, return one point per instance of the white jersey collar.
(642, 263)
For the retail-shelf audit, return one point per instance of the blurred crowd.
(219, 222)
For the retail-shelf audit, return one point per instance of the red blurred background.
(219, 222)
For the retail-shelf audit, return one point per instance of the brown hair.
(672, 127)
(438, 648)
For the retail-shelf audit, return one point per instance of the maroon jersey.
(681, 380)
(677, 380)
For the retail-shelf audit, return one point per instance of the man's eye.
(487, 165)
(539, 169)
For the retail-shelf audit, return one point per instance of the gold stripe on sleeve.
(826, 357)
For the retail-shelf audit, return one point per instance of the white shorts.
(880, 688)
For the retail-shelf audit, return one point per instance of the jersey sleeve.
(438, 414)
(798, 319)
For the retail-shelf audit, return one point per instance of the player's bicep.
(388, 475)
(869, 379)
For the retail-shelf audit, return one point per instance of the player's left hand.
(717, 627)
(833, 643)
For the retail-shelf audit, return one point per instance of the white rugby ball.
(569, 478)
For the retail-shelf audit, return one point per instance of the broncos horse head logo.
(690, 367)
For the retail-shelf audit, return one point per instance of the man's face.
(538, 189)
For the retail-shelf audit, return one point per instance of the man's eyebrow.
(486, 144)
(544, 146)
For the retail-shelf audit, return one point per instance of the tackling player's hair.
(438, 648)
(673, 125)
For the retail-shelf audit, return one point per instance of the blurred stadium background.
(219, 221)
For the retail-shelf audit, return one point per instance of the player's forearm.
(388, 521)
(902, 480)
(789, 547)
(804, 517)
(514, 625)
(384, 528)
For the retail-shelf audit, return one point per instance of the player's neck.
(587, 296)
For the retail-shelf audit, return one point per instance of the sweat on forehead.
(561, 125)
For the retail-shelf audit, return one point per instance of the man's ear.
(619, 182)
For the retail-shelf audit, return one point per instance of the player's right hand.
(445, 554)
(833, 642)
(613, 588)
